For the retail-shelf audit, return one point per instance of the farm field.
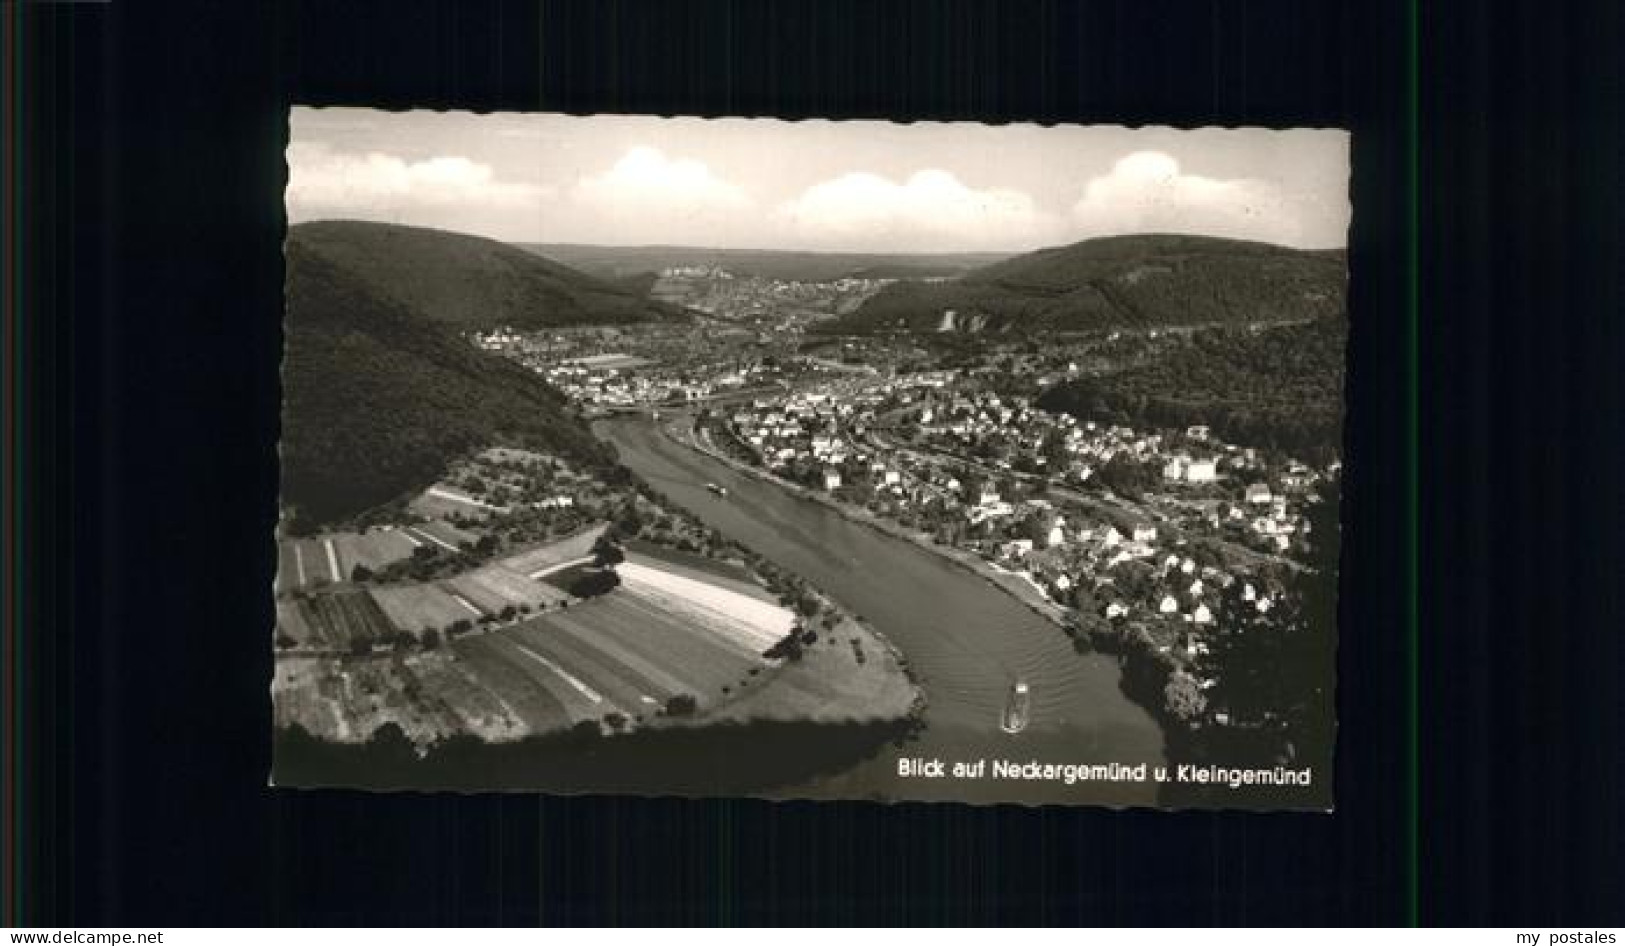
(442, 533)
(374, 549)
(496, 587)
(673, 627)
(291, 624)
(697, 567)
(555, 554)
(621, 657)
(337, 621)
(437, 502)
(307, 563)
(439, 533)
(539, 699)
(304, 563)
(830, 685)
(287, 569)
(747, 619)
(608, 655)
(416, 607)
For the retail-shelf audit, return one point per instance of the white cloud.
(931, 210)
(648, 195)
(326, 182)
(1147, 192)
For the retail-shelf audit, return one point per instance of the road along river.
(967, 641)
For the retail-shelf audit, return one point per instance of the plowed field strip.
(659, 683)
(497, 670)
(559, 567)
(467, 604)
(291, 621)
(333, 560)
(419, 533)
(616, 684)
(468, 696)
(666, 610)
(568, 687)
(287, 574)
(763, 622)
(687, 652)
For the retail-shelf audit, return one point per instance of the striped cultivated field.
(303, 564)
(670, 629)
(440, 501)
(495, 587)
(376, 550)
(417, 608)
(306, 563)
(608, 655)
(699, 568)
(438, 534)
(338, 621)
(747, 619)
(539, 561)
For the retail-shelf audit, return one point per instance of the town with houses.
(1130, 527)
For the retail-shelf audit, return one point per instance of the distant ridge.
(611, 262)
(1117, 282)
(471, 282)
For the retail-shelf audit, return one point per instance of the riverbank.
(1010, 583)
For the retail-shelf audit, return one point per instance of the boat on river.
(1018, 709)
(719, 490)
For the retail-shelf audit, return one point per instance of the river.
(967, 641)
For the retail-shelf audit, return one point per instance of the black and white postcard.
(811, 460)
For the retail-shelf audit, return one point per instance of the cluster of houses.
(1129, 570)
(1133, 573)
(594, 367)
(806, 426)
(1208, 485)
(600, 385)
(1195, 459)
(717, 292)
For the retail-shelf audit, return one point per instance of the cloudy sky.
(819, 185)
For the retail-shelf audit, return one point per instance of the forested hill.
(1113, 282)
(470, 282)
(1278, 387)
(377, 399)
